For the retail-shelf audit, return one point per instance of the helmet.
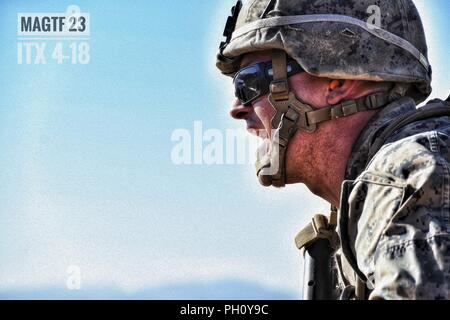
(374, 40)
(336, 39)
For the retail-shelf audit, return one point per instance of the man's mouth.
(260, 133)
(266, 145)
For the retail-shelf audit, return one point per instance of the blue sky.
(86, 170)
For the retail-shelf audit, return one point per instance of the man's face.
(258, 116)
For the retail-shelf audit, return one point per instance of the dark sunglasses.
(253, 82)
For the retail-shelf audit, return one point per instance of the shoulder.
(412, 160)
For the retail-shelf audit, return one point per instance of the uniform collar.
(359, 157)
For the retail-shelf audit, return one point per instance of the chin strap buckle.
(279, 90)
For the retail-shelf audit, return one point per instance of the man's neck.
(332, 154)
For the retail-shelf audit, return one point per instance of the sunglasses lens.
(253, 81)
(248, 84)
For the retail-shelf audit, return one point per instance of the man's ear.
(340, 90)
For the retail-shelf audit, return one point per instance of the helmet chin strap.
(293, 115)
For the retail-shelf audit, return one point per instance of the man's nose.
(240, 112)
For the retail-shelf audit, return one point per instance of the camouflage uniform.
(395, 210)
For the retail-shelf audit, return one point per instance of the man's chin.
(264, 163)
(265, 181)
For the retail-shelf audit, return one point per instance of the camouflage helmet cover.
(333, 38)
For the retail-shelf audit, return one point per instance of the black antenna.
(230, 26)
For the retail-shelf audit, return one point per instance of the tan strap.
(348, 108)
(279, 87)
(333, 217)
(416, 115)
(280, 94)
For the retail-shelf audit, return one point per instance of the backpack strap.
(426, 112)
